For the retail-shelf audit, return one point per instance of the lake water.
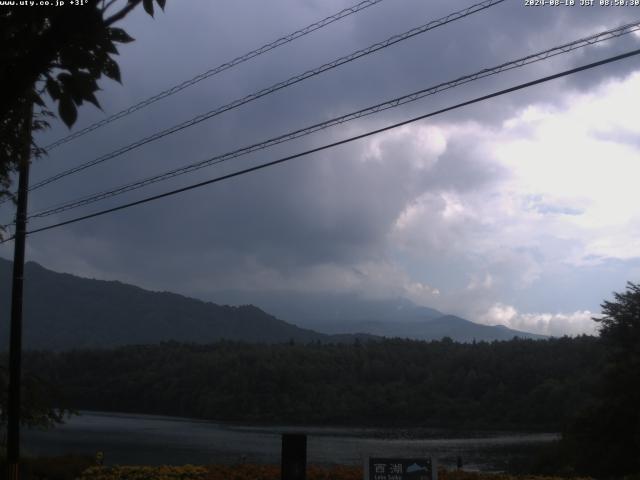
(147, 439)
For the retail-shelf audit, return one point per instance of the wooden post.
(15, 336)
(294, 456)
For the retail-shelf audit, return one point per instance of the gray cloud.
(320, 219)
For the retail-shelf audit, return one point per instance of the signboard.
(400, 469)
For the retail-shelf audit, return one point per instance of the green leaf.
(111, 70)
(67, 110)
(63, 86)
(77, 86)
(83, 88)
(91, 98)
(161, 3)
(38, 125)
(76, 57)
(148, 6)
(73, 86)
(108, 46)
(119, 35)
(38, 100)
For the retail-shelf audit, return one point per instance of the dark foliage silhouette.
(605, 439)
(56, 52)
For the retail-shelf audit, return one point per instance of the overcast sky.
(521, 210)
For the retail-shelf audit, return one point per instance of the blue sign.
(400, 469)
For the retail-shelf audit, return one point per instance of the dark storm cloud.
(336, 208)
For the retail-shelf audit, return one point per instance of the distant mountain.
(456, 328)
(62, 312)
(350, 313)
(339, 308)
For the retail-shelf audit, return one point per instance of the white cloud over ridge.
(564, 197)
(552, 324)
(565, 178)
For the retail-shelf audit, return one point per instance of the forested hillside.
(521, 384)
(64, 311)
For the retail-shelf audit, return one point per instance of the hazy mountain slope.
(399, 317)
(63, 311)
(463, 330)
(456, 328)
(332, 309)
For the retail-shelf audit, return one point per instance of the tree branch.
(122, 13)
(108, 5)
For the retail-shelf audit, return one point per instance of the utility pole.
(15, 338)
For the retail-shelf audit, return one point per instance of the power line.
(529, 59)
(278, 86)
(219, 69)
(341, 142)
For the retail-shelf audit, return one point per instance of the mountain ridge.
(63, 311)
(395, 317)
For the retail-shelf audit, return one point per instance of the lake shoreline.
(154, 440)
(382, 430)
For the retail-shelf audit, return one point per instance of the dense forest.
(518, 384)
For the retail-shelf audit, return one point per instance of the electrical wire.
(278, 86)
(219, 69)
(341, 142)
(520, 62)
